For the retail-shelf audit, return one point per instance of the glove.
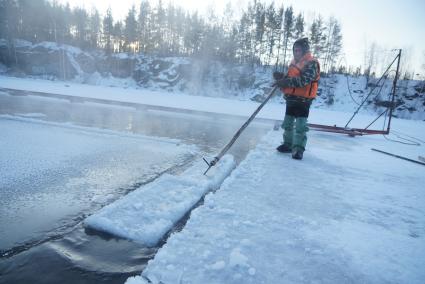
(277, 75)
(282, 83)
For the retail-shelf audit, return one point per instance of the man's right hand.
(282, 83)
(277, 75)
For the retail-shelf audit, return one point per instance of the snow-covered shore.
(342, 214)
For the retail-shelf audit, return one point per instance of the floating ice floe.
(148, 213)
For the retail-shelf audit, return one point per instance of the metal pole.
(360, 106)
(397, 156)
(394, 89)
(239, 132)
(376, 120)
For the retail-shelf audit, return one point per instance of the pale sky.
(389, 23)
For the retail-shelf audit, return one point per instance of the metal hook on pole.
(238, 133)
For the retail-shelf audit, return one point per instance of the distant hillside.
(198, 76)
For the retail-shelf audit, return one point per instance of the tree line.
(262, 34)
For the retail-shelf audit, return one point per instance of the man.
(299, 87)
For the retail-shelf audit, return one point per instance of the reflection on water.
(80, 256)
(208, 131)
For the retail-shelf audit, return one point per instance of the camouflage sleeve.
(308, 75)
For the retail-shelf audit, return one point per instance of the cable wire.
(357, 110)
(411, 142)
(412, 137)
(349, 91)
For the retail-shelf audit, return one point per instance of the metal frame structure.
(365, 131)
(344, 130)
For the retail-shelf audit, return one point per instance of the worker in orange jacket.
(299, 87)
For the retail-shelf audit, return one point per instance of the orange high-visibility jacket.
(308, 91)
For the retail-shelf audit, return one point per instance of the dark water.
(78, 255)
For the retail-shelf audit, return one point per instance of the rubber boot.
(288, 134)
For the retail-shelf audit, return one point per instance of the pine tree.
(108, 29)
(212, 39)
(299, 26)
(9, 19)
(229, 43)
(118, 37)
(279, 32)
(9, 27)
(260, 19)
(143, 21)
(244, 39)
(60, 23)
(333, 45)
(95, 28)
(271, 31)
(227, 19)
(130, 30)
(317, 37)
(288, 31)
(80, 23)
(157, 26)
(193, 34)
(369, 62)
(67, 16)
(179, 29)
(170, 32)
(251, 30)
(33, 20)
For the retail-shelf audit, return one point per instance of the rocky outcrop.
(47, 60)
(196, 76)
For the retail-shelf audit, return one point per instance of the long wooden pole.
(397, 156)
(239, 132)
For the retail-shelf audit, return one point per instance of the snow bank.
(148, 213)
(344, 214)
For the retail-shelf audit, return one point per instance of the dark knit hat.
(303, 43)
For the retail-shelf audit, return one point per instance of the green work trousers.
(295, 132)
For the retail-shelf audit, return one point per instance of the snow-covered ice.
(148, 213)
(344, 214)
(52, 172)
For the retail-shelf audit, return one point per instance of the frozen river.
(63, 159)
